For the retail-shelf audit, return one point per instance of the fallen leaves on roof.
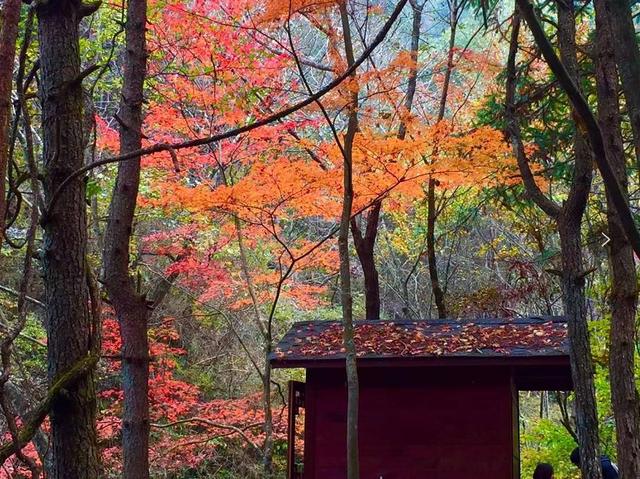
(426, 338)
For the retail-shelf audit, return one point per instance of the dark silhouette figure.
(609, 469)
(543, 471)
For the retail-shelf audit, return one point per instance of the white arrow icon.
(607, 240)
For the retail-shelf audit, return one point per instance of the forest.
(183, 184)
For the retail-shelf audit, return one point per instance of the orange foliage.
(220, 76)
(282, 9)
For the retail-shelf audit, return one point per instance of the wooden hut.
(438, 399)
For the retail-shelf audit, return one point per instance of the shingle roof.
(496, 338)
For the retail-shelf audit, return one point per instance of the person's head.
(575, 456)
(543, 471)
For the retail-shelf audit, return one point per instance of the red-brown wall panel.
(450, 423)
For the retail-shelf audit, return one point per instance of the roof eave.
(559, 359)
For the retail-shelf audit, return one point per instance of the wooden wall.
(417, 423)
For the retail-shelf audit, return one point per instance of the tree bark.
(416, 26)
(267, 453)
(628, 59)
(267, 338)
(432, 213)
(71, 333)
(130, 306)
(624, 281)
(568, 218)
(582, 370)
(8, 37)
(365, 248)
(574, 299)
(438, 293)
(353, 392)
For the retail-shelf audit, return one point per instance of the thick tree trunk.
(580, 352)
(8, 36)
(70, 332)
(568, 218)
(624, 289)
(133, 314)
(574, 299)
(628, 59)
(130, 306)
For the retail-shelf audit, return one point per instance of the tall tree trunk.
(353, 392)
(432, 213)
(70, 332)
(267, 453)
(130, 306)
(568, 219)
(582, 370)
(573, 267)
(365, 244)
(412, 83)
(8, 36)
(627, 55)
(624, 289)
(267, 338)
(436, 288)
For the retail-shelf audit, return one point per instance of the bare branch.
(13, 292)
(200, 420)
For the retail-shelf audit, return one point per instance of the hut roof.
(319, 343)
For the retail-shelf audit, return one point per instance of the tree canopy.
(181, 182)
